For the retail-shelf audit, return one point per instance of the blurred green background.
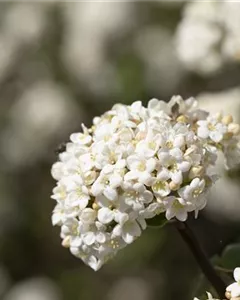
(61, 64)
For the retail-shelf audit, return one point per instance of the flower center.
(211, 127)
(196, 192)
(141, 167)
(159, 185)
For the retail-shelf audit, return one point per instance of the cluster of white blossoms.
(206, 39)
(232, 291)
(135, 163)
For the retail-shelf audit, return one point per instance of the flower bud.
(226, 120)
(196, 172)
(228, 295)
(182, 119)
(66, 242)
(95, 206)
(174, 186)
(234, 128)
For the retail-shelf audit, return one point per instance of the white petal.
(101, 237)
(131, 176)
(97, 188)
(147, 196)
(89, 238)
(115, 180)
(110, 193)
(163, 175)
(177, 177)
(128, 238)
(57, 170)
(57, 219)
(145, 178)
(178, 141)
(83, 203)
(105, 215)
(88, 216)
(151, 164)
(176, 153)
(142, 223)
(170, 213)
(102, 201)
(76, 242)
(203, 132)
(195, 183)
(121, 218)
(130, 231)
(231, 287)
(235, 291)
(117, 231)
(153, 103)
(236, 274)
(94, 263)
(216, 136)
(181, 215)
(184, 166)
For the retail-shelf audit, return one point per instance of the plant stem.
(200, 256)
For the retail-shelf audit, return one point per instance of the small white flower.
(59, 215)
(234, 288)
(161, 188)
(140, 169)
(177, 207)
(78, 194)
(150, 145)
(58, 170)
(212, 129)
(192, 191)
(106, 184)
(81, 138)
(129, 231)
(88, 215)
(105, 215)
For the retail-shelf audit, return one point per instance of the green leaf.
(231, 256)
(157, 221)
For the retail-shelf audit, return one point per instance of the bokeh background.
(62, 63)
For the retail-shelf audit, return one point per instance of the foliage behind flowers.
(135, 163)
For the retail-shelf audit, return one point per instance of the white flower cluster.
(131, 165)
(232, 291)
(206, 39)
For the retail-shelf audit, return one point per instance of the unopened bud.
(227, 119)
(182, 119)
(228, 295)
(234, 128)
(174, 186)
(218, 116)
(95, 206)
(66, 242)
(190, 150)
(196, 172)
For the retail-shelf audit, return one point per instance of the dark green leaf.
(231, 256)
(157, 221)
